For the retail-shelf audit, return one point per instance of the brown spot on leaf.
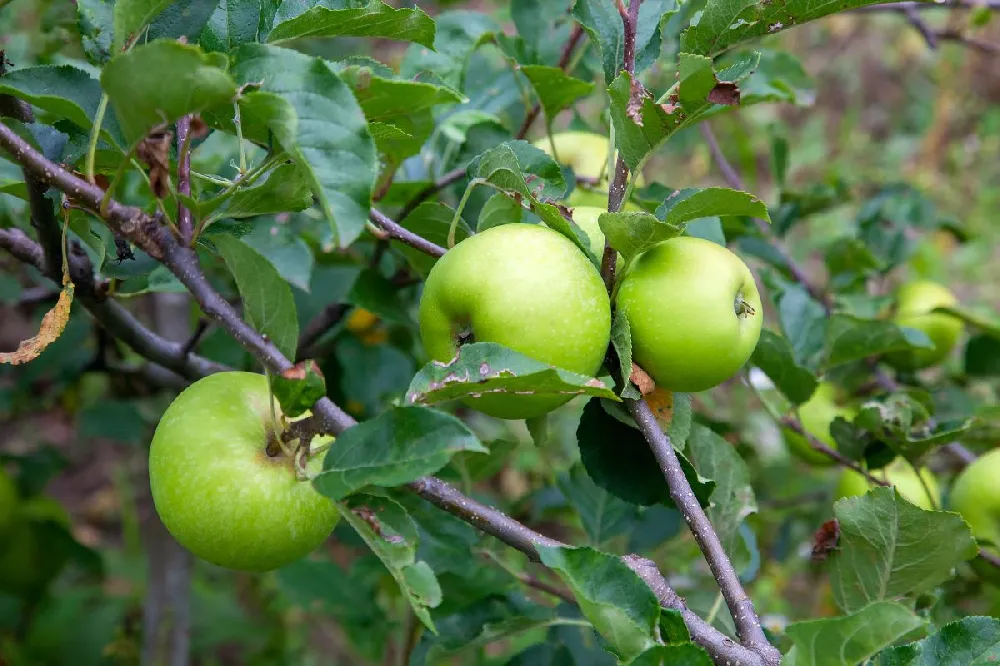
(661, 402)
(154, 152)
(641, 379)
(302, 370)
(199, 128)
(51, 328)
(725, 93)
(637, 95)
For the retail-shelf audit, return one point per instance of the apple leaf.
(487, 367)
(316, 119)
(633, 233)
(803, 322)
(445, 540)
(849, 639)
(987, 322)
(982, 356)
(520, 168)
(396, 447)
(498, 210)
(616, 601)
(160, 82)
(618, 459)
(131, 16)
(694, 203)
(375, 19)
(267, 299)
(64, 91)
(851, 338)
(491, 620)
(556, 90)
(285, 249)
(298, 388)
(684, 654)
(457, 35)
(971, 641)
(621, 340)
(780, 77)
(773, 355)
(391, 534)
(285, 189)
(603, 23)
(234, 22)
(884, 551)
(431, 221)
(95, 20)
(603, 515)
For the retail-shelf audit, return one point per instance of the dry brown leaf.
(642, 380)
(52, 327)
(154, 152)
(725, 93)
(661, 402)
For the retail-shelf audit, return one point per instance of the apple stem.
(743, 308)
(458, 211)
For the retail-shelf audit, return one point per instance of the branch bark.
(740, 605)
(185, 222)
(394, 230)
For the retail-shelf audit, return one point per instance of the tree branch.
(185, 223)
(796, 426)
(394, 230)
(740, 605)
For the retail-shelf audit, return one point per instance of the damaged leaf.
(51, 328)
(299, 387)
(486, 368)
(154, 152)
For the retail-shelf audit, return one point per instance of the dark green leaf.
(971, 641)
(850, 639)
(285, 249)
(233, 23)
(884, 551)
(693, 203)
(621, 339)
(314, 116)
(604, 25)
(298, 388)
(987, 322)
(774, 356)
(982, 356)
(392, 535)
(673, 655)
(458, 34)
(397, 446)
(183, 18)
(603, 515)
(267, 299)
(804, 323)
(556, 90)
(162, 81)
(430, 220)
(636, 142)
(488, 622)
(445, 541)
(372, 375)
(518, 166)
(634, 233)
(131, 16)
(619, 460)
(780, 77)
(374, 19)
(850, 338)
(95, 19)
(499, 209)
(285, 190)
(483, 368)
(616, 601)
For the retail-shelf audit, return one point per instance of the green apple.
(693, 310)
(526, 287)
(8, 501)
(976, 495)
(915, 302)
(816, 415)
(216, 489)
(900, 474)
(587, 154)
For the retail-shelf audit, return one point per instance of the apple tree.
(416, 335)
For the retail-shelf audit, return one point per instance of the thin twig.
(185, 223)
(529, 118)
(796, 426)
(195, 337)
(404, 235)
(740, 605)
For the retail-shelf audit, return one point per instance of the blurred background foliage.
(880, 126)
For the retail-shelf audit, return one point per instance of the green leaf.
(635, 142)
(633, 233)
(971, 641)
(780, 77)
(621, 340)
(903, 423)
(556, 90)
(982, 356)
(162, 81)
(234, 22)
(616, 601)
(987, 322)
(267, 299)
(603, 23)
(183, 18)
(773, 355)
(694, 203)
(804, 323)
(285, 190)
(498, 210)
(458, 34)
(733, 498)
(64, 91)
(131, 16)
(430, 220)
(445, 540)
(851, 338)
(491, 620)
(483, 368)
(392, 536)
(851, 639)
(374, 19)
(298, 388)
(315, 118)
(724, 23)
(603, 515)
(509, 165)
(618, 459)
(687, 654)
(884, 551)
(285, 249)
(396, 447)
(95, 20)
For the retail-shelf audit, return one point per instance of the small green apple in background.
(915, 302)
(816, 415)
(8, 501)
(526, 287)
(976, 495)
(900, 474)
(219, 493)
(694, 313)
(587, 154)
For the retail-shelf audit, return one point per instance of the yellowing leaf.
(52, 327)
(661, 402)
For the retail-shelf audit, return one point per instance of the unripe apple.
(976, 495)
(217, 490)
(8, 501)
(526, 287)
(901, 475)
(587, 154)
(816, 415)
(694, 313)
(915, 302)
